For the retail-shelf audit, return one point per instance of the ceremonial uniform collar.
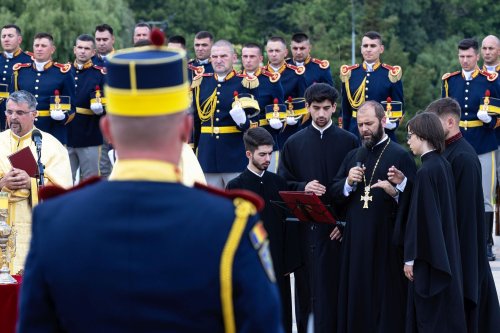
(256, 73)
(145, 170)
(47, 65)
(86, 65)
(308, 60)
(473, 75)
(203, 62)
(229, 76)
(280, 70)
(14, 54)
(495, 68)
(375, 66)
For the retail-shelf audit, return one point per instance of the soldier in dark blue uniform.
(104, 40)
(168, 257)
(371, 80)
(219, 117)
(292, 80)
(317, 70)
(203, 41)
(84, 134)
(45, 78)
(12, 54)
(268, 89)
(468, 87)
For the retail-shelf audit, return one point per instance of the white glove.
(97, 108)
(275, 123)
(483, 116)
(57, 114)
(291, 121)
(238, 115)
(112, 156)
(390, 125)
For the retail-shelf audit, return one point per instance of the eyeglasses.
(408, 136)
(18, 113)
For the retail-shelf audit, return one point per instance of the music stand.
(307, 207)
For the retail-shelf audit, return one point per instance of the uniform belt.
(470, 123)
(220, 130)
(85, 111)
(43, 113)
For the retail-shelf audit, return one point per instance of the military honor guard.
(104, 41)
(12, 54)
(316, 70)
(84, 134)
(292, 80)
(371, 80)
(203, 42)
(220, 118)
(268, 90)
(51, 83)
(469, 87)
(162, 263)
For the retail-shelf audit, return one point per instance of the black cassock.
(481, 300)
(373, 288)
(306, 156)
(435, 297)
(281, 235)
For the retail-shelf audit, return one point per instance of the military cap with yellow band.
(393, 109)
(490, 104)
(147, 81)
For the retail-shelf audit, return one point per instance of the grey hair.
(224, 43)
(23, 96)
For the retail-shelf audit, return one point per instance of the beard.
(260, 166)
(374, 138)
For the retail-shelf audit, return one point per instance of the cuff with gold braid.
(147, 81)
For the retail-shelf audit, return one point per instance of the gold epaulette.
(20, 65)
(323, 64)
(64, 68)
(198, 78)
(198, 70)
(249, 82)
(448, 75)
(395, 72)
(52, 191)
(100, 68)
(490, 76)
(273, 77)
(256, 202)
(345, 72)
(299, 70)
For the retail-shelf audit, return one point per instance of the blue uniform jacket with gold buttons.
(43, 84)
(196, 68)
(359, 85)
(84, 130)
(469, 95)
(6, 65)
(148, 256)
(317, 71)
(217, 137)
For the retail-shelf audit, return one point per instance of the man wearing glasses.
(22, 189)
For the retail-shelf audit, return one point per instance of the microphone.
(360, 158)
(36, 136)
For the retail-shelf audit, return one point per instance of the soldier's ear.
(105, 129)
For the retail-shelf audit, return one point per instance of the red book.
(307, 207)
(24, 160)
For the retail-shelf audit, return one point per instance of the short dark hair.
(319, 92)
(104, 27)
(427, 126)
(445, 106)
(300, 37)
(252, 46)
(255, 137)
(379, 109)
(373, 35)
(142, 24)
(277, 39)
(44, 35)
(10, 26)
(204, 34)
(177, 39)
(467, 43)
(85, 38)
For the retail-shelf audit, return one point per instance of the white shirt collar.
(369, 67)
(321, 130)
(8, 55)
(491, 69)
(299, 63)
(203, 62)
(385, 138)
(255, 173)
(467, 74)
(40, 65)
(221, 78)
(275, 68)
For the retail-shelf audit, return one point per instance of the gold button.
(466, 113)
(218, 93)
(216, 130)
(216, 119)
(36, 88)
(367, 81)
(217, 137)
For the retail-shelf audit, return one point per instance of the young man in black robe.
(259, 148)
(372, 290)
(482, 310)
(309, 161)
(431, 245)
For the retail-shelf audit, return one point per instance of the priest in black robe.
(431, 245)
(372, 289)
(309, 161)
(259, 148)
(482, 310)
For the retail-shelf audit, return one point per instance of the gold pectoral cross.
(367, 197)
